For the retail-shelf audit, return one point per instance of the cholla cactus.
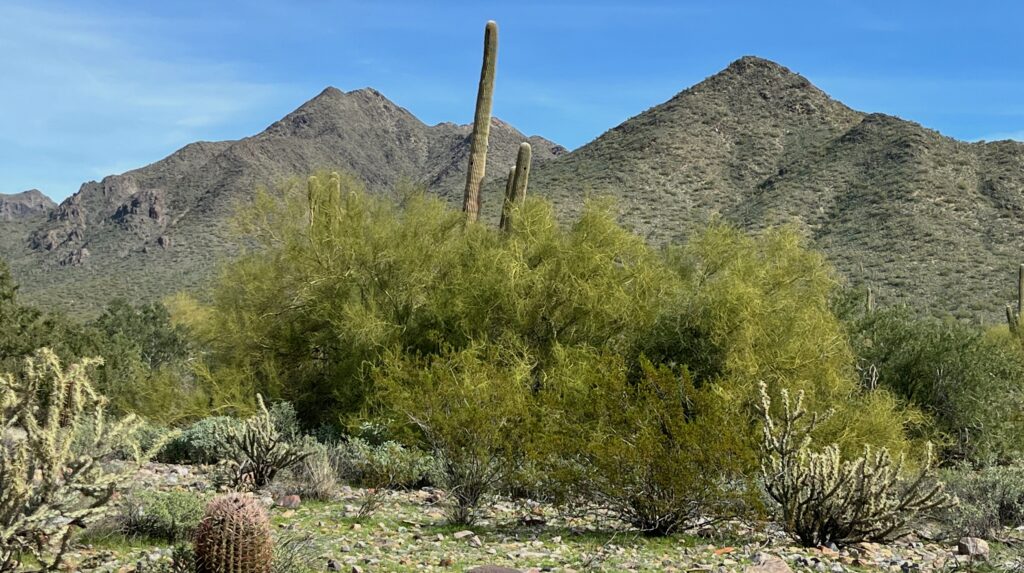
(54, 435)
(260, 451)
(234, 537)
(825, 499)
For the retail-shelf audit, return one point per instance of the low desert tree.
(351, 298)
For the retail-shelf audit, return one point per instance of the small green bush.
(968, 383)
(471, 410)
(659, 452)
(387, 464)
(201, 443)
(170, 516)
(315, 475)
(990, 499)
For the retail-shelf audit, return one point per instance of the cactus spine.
(515, 190)
(234, 536)
(481, 124)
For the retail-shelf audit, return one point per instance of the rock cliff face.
(24, 205)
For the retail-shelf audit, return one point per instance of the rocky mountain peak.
(23, 205)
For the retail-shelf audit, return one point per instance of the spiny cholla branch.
(825, 499)
(260, 451)
(54, 435)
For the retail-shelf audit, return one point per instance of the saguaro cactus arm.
(506, 207)
(522, 177)
(481, 124)
(515, 188)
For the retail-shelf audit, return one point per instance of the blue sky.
(94, 87)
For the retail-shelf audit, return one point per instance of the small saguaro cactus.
(234, 536)
(506, 206)
(481, 124)
(1013, 314)
(515, 190)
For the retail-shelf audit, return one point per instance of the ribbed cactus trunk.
(234, 537)
(515, 190)
(506, 207)
(481, 124)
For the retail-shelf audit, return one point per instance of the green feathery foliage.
(481, 124)
(55, 434)
(234, 537)
(825, 498)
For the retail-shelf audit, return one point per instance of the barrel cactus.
(234, 536)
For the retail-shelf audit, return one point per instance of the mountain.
(164, 227)
(24, 205)
(921, 218)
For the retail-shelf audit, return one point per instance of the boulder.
(973, 547)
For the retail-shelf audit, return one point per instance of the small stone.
(333, 565)
(475, 542)
(462, 534)
(973, 547)
(493, 569)
(768, 564)
(357, 569)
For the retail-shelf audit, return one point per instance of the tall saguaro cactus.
(481, 124)
(515, 190)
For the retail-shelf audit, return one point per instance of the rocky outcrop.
(24, 205)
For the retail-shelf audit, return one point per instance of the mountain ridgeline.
(921, 218)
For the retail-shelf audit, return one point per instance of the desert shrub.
(285, 421)
(201, 443)
(659, 451)
(295, 553)
(387, 464)
(968, 383)
(315, 475)
(258, 451)
(989, 499)
(824, 498)
(52, 476)
(170, 516)
(471, 410)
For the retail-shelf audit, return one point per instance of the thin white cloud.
(83, 89)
